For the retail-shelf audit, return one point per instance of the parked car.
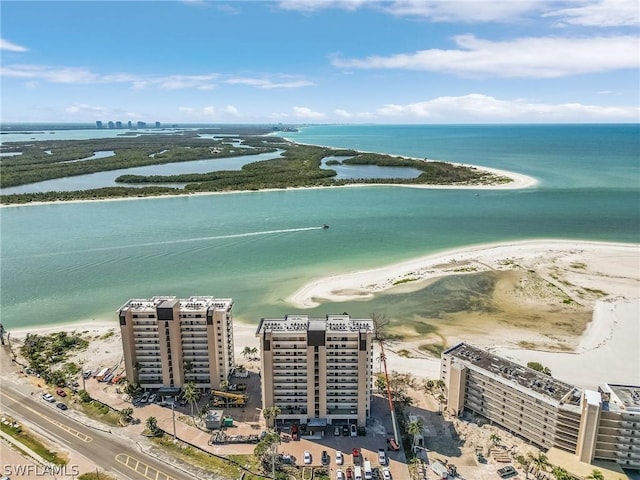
(345, 430)
(307, 457)
(340, 475)
(393, 445)
(145, 397)
(508, 471)
(382, 457)
(61, 392)
(61, 406)
(349, 473)
(339, 457)
(336, 431)
(386, 473)
(48, 397)
(354, 430)
(325, 457)
(152, 398)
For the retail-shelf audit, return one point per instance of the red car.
(349, 474)
(61, 392)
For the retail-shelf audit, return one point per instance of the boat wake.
(182, 240)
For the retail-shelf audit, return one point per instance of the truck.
(368, 472)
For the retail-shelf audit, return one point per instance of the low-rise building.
(595, 425)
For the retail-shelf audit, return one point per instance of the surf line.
(182, 240)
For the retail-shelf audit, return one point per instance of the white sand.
(608, 350)
(607, 266)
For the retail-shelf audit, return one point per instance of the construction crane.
(383, 358)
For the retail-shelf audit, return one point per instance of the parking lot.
(378, 430)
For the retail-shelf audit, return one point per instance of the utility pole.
(173, 417)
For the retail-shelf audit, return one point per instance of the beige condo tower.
(318, 371)
(168, 342)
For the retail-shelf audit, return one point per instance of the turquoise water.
(69, 262)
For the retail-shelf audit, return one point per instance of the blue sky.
(321, 61)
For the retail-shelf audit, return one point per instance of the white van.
(357, 473)
(368, 473)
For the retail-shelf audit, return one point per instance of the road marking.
(66, 428)
(142, 468)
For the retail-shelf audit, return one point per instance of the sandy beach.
(602, 279)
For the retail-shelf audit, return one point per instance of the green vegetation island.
(299, 165)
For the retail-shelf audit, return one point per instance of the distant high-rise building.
(129, 124)
(118, 124)
(157, 124)
(169, 341)
(142, 125)
(111, 124)
(98, 124)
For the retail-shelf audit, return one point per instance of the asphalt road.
(109, 451)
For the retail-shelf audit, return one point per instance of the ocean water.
(72, 262)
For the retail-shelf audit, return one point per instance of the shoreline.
(363, 285)
(518, 181)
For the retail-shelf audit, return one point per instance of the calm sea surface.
(69, 262)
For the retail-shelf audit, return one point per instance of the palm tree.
(152, 425)
(524, 462)
(254, 352)
(191, 394)
(596, 475)
(246, 351)
(541, 461)
(495, 439)
(224, 385)
(560, 473)
(415, 428)
(125, 415)
(270, 413)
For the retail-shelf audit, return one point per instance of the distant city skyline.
(321, 61)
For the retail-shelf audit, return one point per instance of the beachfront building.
(594, 425)
(318, 371)
(168, 342)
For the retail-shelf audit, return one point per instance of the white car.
(386, 474)
(339, 457)
(307, 457)
(152, 398)
(48, 397)
(145, 397)
(340, 475)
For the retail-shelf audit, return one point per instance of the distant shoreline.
(519, 181)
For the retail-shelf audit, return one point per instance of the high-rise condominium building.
(318, 371)
(595, 425)
(168, 342)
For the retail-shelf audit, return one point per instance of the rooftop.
(537, 382)
(304, 323)
(193, 303)
(625, 397)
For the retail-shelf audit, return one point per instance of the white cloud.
(541, 57)
(307, 113)
(476, 107)
(84, 111)
(343, 113)
(231, 110)
(314, 5)
(11, 47)
(268, 84)
(601, 13)
(468, 11)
